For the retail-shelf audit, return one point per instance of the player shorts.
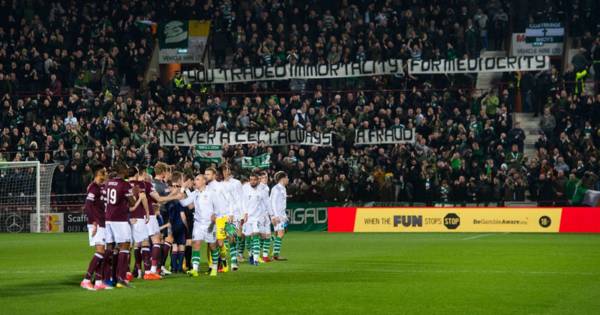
(140, 231)
(265, 226)
(220, 225)
(179, 232)
(97, 239)
(281, 225)
(201, 233)
(152, 226)
(251, 227)
(118, 231)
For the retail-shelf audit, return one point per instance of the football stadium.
(300, 156)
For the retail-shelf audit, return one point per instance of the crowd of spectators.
(347, 31)
(467, 147)
(578, 16)
(310, 32)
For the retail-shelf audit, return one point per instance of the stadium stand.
(76, 95)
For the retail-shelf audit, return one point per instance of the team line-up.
(175, 213)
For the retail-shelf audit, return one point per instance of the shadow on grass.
(62, 284)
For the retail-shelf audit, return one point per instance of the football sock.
(165, 252)
(156, 251)
(233, 253)
(225, 248)
(115, 268)
(261, 244)
(188, 256)
(266, 247)
(146, 258)
(128, 264)
(174, 256)
(215, 257)
(196, 259)
(249, 244)
(255, 246)
(209, 255)
(137, 254)
(180, 261)
(122, 266)
(99, 272)
(107, 265)
(241, 245)
(93, 266)
(277, 246)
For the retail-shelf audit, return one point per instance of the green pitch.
(327, 274)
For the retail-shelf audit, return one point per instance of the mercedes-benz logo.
(14, 223)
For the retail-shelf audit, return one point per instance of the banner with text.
(545, 33)
(274, 138)
(305, 216)
(520, 47)
(75, 222)
(486, 64)
(384, 136)
(451, 219)
(289, 71)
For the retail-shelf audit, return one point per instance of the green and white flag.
(209, 153)
(182, 41)
(260, 161)
(173, 34)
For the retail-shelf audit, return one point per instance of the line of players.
(174, 213)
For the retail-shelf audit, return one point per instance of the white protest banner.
(274, 138)
(487, 64)
(289, 71)
(384, 136)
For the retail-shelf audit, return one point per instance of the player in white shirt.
(205, 215)
(265, 224)
(255, 201)
(233, 192)
(279, 205)
(223, 212)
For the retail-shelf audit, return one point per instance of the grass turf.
(328, 274)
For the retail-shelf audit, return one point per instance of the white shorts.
(281, 225)
(250, 228)
(140, 231)
(118, 231)
(265, 226)
(201, 233)
(152, 226)
(97, 239)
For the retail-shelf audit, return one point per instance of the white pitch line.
(476, 237)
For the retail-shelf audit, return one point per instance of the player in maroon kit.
(94, 209)
(139, 219)
(120, 195)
